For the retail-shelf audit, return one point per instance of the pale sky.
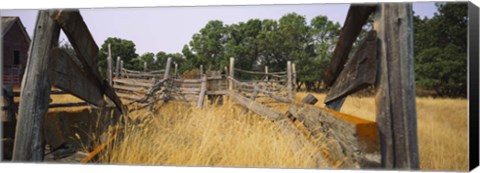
(169, 28)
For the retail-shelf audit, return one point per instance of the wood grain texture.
(356, 17)
(203, 90)
(66, 75)
(352, 140)
(359, 72)
(395, 97)
(28, 145)
(86, 50)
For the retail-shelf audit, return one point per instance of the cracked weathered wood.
(349, 139)
(86, 50)
(395, 97)
(68, 76)
(357, 16)
(35, 94)
(359, 72)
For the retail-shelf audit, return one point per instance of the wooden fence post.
(201, 71)
(203, 90)
(117, 69)
(395, 97)
(176, 72)
(294, 75)
(266, 73)
(230, 83)
(35, 94)
(110, 65)
(167, 68)
(121, 68)
(289, 80)
(145, 66)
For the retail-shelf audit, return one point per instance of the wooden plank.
(289, 80)
(260, 73)
(203, 90)
(193, 81)
(351, 139)
(143, 75)
(167, 69)
(188, 86)
(285, 125)
(35, 91)
(223, 92)
(128, 96)
(395, 97)
(255, 107)
(266, 73)
(145, 66)
(231, 74)
(294, 80)
(117, 69)
(189, 89)
(67, 75)
(357, 16)
(86, 50)
(187, 98)
(133, 82)
(175, 72)
(62, 105)
(131, 88)
(109, 65)
(359, 72)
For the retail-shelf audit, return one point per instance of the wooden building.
(16, 42)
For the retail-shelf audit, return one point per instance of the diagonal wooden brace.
(359, 72)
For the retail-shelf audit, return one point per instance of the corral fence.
(384, 59)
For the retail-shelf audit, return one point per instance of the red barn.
(15, 42)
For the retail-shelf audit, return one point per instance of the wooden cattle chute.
(275, 85)
(49, 66)
(351, 142)
(385, 60)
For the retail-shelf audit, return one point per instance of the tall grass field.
(228, 136)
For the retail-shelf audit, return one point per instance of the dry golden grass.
(225, 136)
(442, 128)
(214, 136)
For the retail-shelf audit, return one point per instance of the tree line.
(440, 48)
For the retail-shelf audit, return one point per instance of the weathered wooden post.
(117, 69)
(167, 68)
(294, 75)
(144, 66)
(230, 81)
(266, 73)
(175, 74)
(35, 94)
(201, 71)
(395, 97)
(110, 67)
(203, 90)
(121, 68)
(289, 80)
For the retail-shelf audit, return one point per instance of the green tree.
(440, 50)
(138, 63)
(208, 44)
(324, 35)
(125, 49)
